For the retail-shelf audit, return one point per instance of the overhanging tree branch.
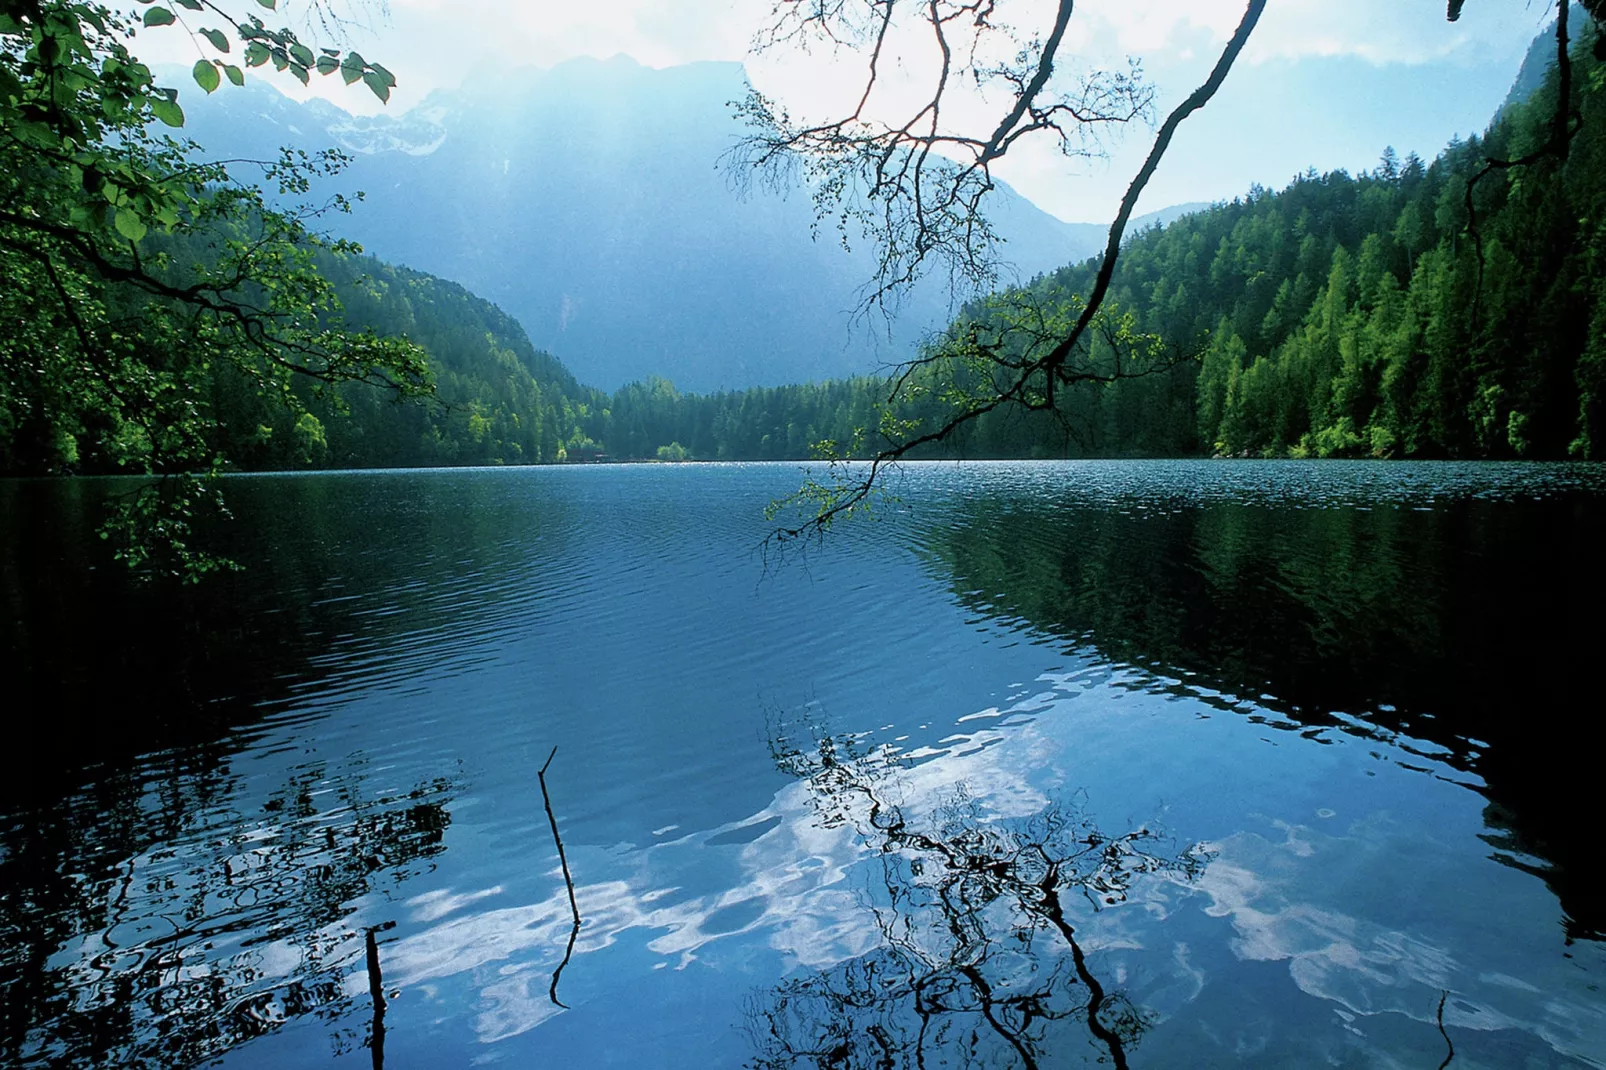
(1031, 383)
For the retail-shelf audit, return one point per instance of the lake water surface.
(1142, 764)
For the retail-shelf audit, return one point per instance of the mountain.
(589, 202)
(1541, 56)
(1161, 219)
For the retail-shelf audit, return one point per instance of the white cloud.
(1382, 31)
(433, 44)
(438, 43)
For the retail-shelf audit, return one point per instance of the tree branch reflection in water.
(979, 964)
(218, 931)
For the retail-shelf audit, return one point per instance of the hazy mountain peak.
(587, 200)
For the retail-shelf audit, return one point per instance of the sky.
(1323, 83)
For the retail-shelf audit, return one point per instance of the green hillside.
(499, 400)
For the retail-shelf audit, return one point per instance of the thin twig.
(568, 881)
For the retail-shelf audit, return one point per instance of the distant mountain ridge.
(1541, 56)
(587, 201)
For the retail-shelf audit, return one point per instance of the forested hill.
(1345, 315)
(1541, 56)
(499, 400)
(1361, 316)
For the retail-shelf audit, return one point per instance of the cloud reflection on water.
(1287, 893)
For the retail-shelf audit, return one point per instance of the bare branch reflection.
(979, 963)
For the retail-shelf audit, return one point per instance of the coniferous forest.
(497, 400)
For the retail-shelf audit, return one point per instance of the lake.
(1142, 764)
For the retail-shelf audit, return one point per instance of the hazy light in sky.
(1324, 83)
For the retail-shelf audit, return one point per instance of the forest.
(1425, 310)
(497, 399)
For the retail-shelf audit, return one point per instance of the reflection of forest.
(158, 924)
(978, 962)
(1464, 624)
(124, 668)
(151, 915)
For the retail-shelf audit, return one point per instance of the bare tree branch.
(917, 225)
(915, 185)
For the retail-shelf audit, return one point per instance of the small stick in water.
(376, 989)
(568, 881)
(1444, 994)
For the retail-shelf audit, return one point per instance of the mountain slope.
(1541, 56)
(499, 400)
(589, 202)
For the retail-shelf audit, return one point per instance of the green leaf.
(327, 64)
(300, 72)
(205, 74)
(390, 79)
(377, 84)
(269, 4)
(256, 54)
(128, 224)
(351, 69)
(158, 16)
(236, 75)
(189, 5)
(302, 54)
(167, 111)
(218, 40)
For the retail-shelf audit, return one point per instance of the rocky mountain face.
(590, 202)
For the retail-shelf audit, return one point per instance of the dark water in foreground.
(1151, 765)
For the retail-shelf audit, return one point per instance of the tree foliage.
(137, 271)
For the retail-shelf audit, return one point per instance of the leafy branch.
(141, 270)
